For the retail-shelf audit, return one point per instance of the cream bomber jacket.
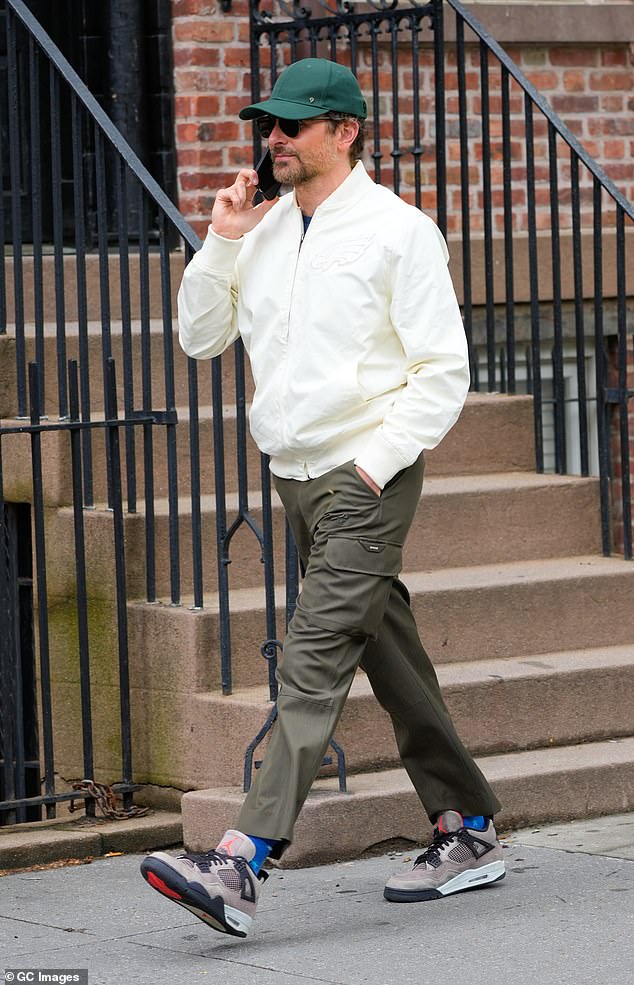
(354, 333)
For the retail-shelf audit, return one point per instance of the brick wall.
(590, 86)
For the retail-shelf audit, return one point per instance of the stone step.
(461, 520)
(534, 787)
(498, 611)
(93, 285)
(8, 397)
(466, 450)
(497, 706)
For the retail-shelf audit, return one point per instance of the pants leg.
(404, 681)
(350, 543)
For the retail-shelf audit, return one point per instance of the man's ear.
(348, 130)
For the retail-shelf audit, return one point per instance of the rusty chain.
(106, 800)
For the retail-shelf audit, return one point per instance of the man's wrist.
(225, 233)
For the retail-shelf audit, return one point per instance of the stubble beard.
(294, 172)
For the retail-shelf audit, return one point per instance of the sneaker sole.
(212, 910)
(471, 879)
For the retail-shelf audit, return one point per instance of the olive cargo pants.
(354, 611)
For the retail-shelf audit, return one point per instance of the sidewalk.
(564, 915)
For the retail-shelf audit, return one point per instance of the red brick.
(198, 157)
(614, 149)
(593, 147)
(186, 133)
(612, 103)
(190, 55)
(575, 125)
(611, 80)
(237, 56)
(182, 106)
(222, 130)
(205, 105)
(518, 197)
(204, 30)
(574, 55)
(543, 80)
(189, 80)
(611, 125)
(240, 8)
(185, 8)
(197, 204)
(244, 31)
(240, 156)
(574, 81)
(619, 172)
(453, 175)
(615, 56)
(233, 104)
(196, 181)
(575, 104)
(472, 80)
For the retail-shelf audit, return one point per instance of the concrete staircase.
(531, 629)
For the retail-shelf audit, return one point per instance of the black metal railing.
(571, 208)
(68, 307)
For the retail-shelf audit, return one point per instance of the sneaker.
(457, 859)
(219, 886)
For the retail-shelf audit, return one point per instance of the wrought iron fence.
(67, 311)
(457, 130)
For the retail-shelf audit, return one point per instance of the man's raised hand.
(233, 213)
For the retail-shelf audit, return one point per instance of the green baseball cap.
(309, 88)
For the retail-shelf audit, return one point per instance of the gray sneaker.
(218, 886)
(458, 858)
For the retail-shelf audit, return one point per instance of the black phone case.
(268, 186)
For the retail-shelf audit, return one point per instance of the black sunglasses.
(292, 128)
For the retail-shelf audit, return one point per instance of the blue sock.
(263, 848)
(478, 823)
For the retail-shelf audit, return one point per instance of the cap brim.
(282, 108)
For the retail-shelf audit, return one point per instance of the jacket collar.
(351, 190)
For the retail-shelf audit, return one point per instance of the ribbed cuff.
(380, 460)
(218, 253)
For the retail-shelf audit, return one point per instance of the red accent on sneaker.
(225, 845)
(157, 883)
(441, 826)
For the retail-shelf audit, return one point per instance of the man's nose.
(277, 135)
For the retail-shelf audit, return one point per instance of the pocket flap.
(371, 557)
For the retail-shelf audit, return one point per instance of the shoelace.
(440, 840)
(204, 861)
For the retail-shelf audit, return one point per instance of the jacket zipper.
(288, 322)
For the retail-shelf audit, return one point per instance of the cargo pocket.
(360, 573)
(365, 556)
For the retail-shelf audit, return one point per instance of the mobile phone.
(267, 185)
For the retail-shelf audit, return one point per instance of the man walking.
(341, 294)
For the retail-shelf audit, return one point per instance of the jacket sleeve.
(425, 315)
(207, 299)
